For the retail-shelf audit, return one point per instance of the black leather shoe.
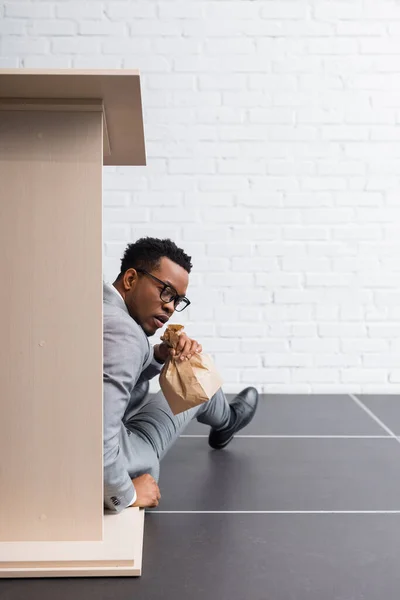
(243, 408)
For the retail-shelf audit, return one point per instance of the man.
(138, 429)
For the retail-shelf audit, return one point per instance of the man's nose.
(169, 307)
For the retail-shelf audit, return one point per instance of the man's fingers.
(186, 349)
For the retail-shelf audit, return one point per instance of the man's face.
(142, 294)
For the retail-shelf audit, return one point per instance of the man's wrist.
(158, 357)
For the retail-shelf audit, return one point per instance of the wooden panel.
(50, 326)
(118, 89)
(120, 554)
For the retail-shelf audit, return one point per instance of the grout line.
(274, 512)
(374, 417)
(323, 437)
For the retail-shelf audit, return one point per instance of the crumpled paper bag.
(187, 383)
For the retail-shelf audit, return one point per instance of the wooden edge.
(106, 137)
(118, 555)
(66, 72)
(52, 104)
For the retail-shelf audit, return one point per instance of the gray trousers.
(153, 428)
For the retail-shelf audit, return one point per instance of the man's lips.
(160, 320)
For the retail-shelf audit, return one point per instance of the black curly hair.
(147, 252)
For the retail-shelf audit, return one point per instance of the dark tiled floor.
(386, 408)
(306, 415)
(282, 474)
(326, 555)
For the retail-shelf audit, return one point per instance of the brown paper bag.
(187, 383)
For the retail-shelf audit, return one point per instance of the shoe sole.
(221, 446)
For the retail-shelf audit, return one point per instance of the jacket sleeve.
(153, 369)
(124, 354)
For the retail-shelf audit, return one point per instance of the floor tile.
(305, 415)
(282, 474)
(252, 557)
(386, 408)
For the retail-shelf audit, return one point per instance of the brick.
(345, 330)
(314, 345)
(50, 27)
(337, 360)
(218, 215)
(29, 10)
(116, 199)
(221, 82)
(385, 361)
(367, 375)
(230, 46)
(218, 344)
(272, 81)
(180, 10)
(155, 28)
(220, 114)
(228, 249)
(238, 360)
(240, 166)
(96, 62)
(345, 133)
(305, 233)
(329, 279)
(291, 168)
(379, 45)
(130, 10)
(74, 45)
(279, 280)
(125, 47)
(9, 63)
(172, 215)
(332, 46)
(383, 330)
(116, 215)
(102, 28)
(236, 280)
(208, 199)
(267, 375)
(200, 165)
(13, 26)
(254, 265)
(287, 360)
(212, 28)
(15, 46)
(170, 82)
(240, 329)
(284, 10)
(79, 10)
(318, 375)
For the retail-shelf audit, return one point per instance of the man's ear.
(129, 279)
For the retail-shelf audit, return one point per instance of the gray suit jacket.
(127, 359)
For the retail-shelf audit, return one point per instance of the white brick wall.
(273, 142)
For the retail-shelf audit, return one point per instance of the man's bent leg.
(156, 423)
(216, 412)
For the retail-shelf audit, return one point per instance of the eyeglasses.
(168, 294)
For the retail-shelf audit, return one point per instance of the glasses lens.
(167, 294)
(181, 305)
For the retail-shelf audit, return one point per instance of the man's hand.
(186, 348)
(184, 351)
(147, 491)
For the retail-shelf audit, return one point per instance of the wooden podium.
(57, 129)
